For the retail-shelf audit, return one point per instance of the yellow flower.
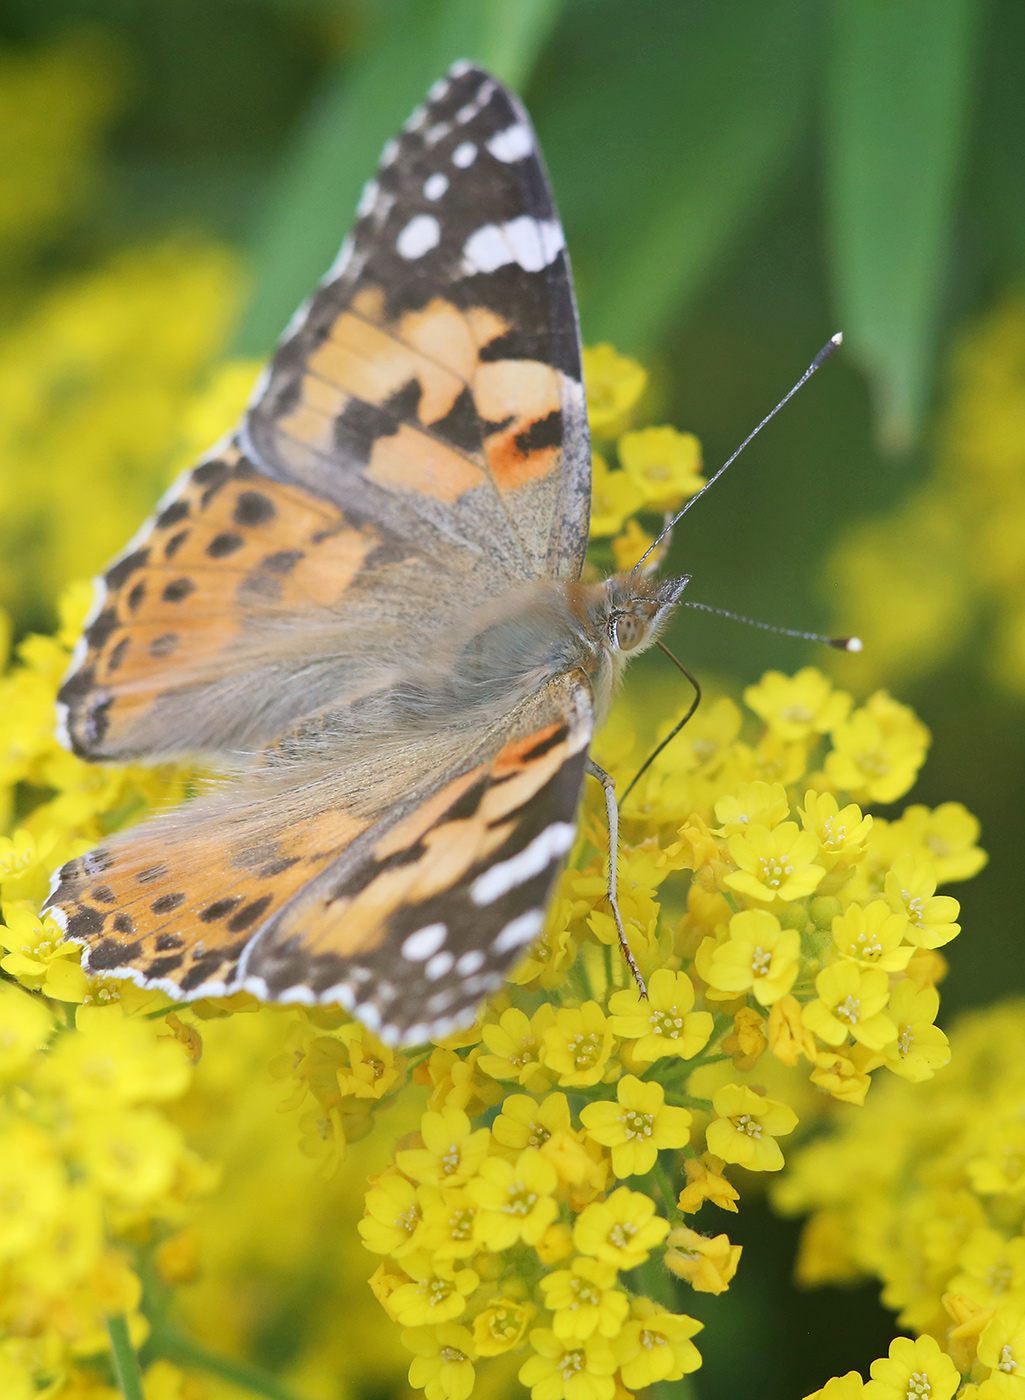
(584, 1299)
(32, 1187)
(436, 1292)
(442, 1368)
(947, 835)
(392, 1215)
(1002, 1343)
(638, 1126)
(878, 751)
(913, 1368)
(707, 1183)
(850, 1002)
(872, 935)
(614, 384)
(758, 956)
(911, 891)
(664, 1023)
(746, 1127)
(131, 1154)
(515, 1199)
(451, 1153)
(501, 1326)
(515, 1045)
(921, 1048)
(578, 1046)
(664, 463)
(579, 1370)
(842, 832)
(614, 496)
(777, 864)
(523, 1122)
(752, 804)
(655, 1345)
(706, 1263)
(797, 706)
(116, 1060)
(448, 1227)
(991, 1268)
(375, 1070)
(25, 1026)
(847, 1387)
(622, 1230)
(630, 546)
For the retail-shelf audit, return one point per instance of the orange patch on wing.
(256, 546)
(518, 394)
(372, 365)
(411, 461)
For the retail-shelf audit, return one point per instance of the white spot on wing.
(438, 90)
(390, 151)
(464, 154)
(435, 185)
(547, 846)
(514, 143)
(419, 236)
(423, 944)
(532, 243)
(521, 930)
(368, 198)
(436, 133)
(369, 1015)
(470, 962)
(438, 965)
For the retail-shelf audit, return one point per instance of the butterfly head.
(630, 611)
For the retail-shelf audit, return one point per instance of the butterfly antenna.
(838, 643)
(674, 731)
(830, 348)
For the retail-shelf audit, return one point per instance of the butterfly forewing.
(436, 372)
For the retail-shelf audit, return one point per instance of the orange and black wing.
(409, 919)
(434, 378)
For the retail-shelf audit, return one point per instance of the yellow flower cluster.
(95, 388)
(88, 1166)
(776, 923)
(949, 556)
(925, 1191)
(658, 467)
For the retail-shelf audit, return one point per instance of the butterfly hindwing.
(303, 901)
(434, 377)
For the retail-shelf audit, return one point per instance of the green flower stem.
(173, 1345)
(126, 1363)
(658, 1173)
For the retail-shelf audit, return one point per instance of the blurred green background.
(738, 179)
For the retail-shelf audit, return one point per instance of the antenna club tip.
(853, 644)
(836, 339)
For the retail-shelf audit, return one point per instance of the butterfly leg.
(612, 812)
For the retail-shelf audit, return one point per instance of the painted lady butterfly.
(364, 607)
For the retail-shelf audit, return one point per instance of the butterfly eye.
(629, 631)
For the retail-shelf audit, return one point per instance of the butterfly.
(364, 610)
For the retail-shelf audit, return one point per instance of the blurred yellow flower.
(665, 465)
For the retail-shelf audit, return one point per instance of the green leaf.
(666, 128)
(899, 78)
(312, 205)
